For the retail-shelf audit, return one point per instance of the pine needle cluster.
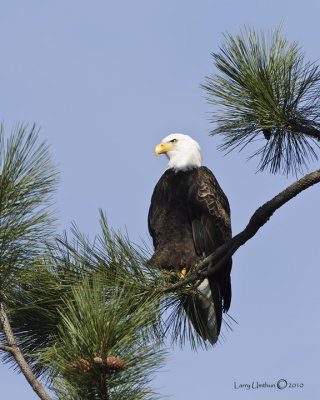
(27, 180)
(265, 91)
(102, 352)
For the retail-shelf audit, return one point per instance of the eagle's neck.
(180, 161)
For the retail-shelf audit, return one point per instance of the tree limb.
(306, 130)
(14, 349)
(217, 260)
(3, 347)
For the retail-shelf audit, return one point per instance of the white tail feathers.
(208, 311)
(202, 311)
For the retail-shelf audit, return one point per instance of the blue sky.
(105, 81)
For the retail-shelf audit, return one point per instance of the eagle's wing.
(209, 214)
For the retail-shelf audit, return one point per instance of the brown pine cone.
(114, 363)
(83, 364)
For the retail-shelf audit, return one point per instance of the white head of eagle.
(189, 218)
(182, 151)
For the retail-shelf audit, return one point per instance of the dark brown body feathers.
(189, 218)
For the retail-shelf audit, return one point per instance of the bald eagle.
(189, 217)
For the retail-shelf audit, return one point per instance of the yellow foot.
(183, 272)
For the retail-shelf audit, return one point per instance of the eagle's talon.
(183, 272)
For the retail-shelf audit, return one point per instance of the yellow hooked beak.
(163, 148)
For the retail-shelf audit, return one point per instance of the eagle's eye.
(173, 140)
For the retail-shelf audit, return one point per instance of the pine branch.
(216, 260)
(27, 181)
(309, 131)
(263, 85)
(3, 347)
(14, 349)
